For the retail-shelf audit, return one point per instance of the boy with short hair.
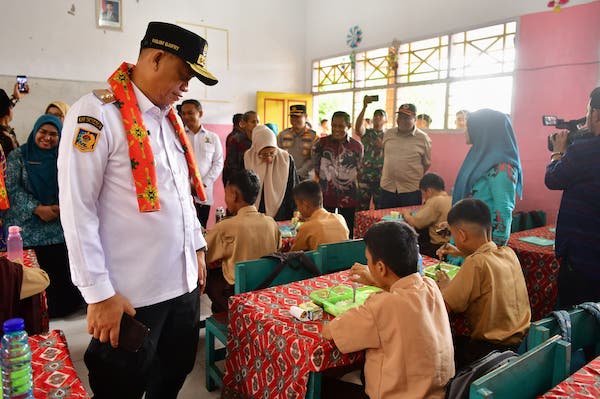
(435, 209)
(405, 328)
(320, 226)
(489, 288)
(235, 239)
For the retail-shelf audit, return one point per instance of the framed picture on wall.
(109, 14)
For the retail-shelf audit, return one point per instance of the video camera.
(573, 126)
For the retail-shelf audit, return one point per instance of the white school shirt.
(209, 157)
(113, 248)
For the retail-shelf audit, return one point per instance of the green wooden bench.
(529, 376)
(342, 255)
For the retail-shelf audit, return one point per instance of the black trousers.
(160, 367)
(348, 214)
(63, 297)
(218, 290)
(575, 287)
(202, 212)
(389, 199)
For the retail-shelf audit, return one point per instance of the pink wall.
(218, 193)
(557, 68)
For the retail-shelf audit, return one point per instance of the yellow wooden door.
(274, 107)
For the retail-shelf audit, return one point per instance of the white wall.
(266, 46)
(383, 20)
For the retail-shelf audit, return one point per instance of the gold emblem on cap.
(405, 106)
(202, 57)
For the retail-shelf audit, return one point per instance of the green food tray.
(542, 242)
(331, 298)
(451, 270)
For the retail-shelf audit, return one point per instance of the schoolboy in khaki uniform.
(235, 239)
(435, 209)
(321, 226)
(489, 288)
(404, 329)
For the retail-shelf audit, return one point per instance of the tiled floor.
(75, 330)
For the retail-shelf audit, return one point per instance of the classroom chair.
(585, 332)
(248, 277)
(341, 255)
(529, 376)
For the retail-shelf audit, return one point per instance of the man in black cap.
(298, 140)
(135, 244)
(406, 158)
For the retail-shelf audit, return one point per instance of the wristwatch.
(559, 154)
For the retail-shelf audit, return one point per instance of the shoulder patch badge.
(85, 140)
(90, 120)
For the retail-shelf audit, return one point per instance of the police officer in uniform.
(298, 140)
(135, 244)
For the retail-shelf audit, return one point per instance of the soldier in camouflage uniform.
(298, 141)
(370, 171)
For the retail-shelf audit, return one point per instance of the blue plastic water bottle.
(14, 245)
(15, 356)
(419, 260)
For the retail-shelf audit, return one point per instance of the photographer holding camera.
(575, 169)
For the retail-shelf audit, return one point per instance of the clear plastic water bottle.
(14, 245)
(15, 357)
(419, 260)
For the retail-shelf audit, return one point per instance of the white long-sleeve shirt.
(113, 247)
(209, 157)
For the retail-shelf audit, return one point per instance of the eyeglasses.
(44, 132)
(266, 155)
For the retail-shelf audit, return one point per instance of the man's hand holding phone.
(104, 318)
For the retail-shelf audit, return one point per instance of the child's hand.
(360, 273)
(448, 249)
(442, 279)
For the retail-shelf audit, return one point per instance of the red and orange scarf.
(140, 151)
(4, 204)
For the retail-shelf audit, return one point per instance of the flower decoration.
(556, 4)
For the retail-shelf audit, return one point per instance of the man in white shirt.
(208, 151)
(135, 244)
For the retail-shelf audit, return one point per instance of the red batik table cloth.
(53, 373)
(30, 260)
(269, 353)
(540, 269)
(584, 384)
(363, 220)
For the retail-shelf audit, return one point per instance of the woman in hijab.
(32, 185)
(277, 173)
(491, 170)
(58, 109)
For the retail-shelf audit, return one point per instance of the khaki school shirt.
(405, 159)
(490, 289)
(406, 334)
(34, 281)
(321, 228)
(245, 236)
(434, 210)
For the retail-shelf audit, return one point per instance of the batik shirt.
(497, 188)
(336, 166)
(373, 156)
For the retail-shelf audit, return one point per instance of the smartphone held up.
(22, 84)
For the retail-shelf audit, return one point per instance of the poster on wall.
(109, 14)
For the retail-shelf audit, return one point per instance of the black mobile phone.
(132, 333)
(22, 84)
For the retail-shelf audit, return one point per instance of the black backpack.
(458, 386)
